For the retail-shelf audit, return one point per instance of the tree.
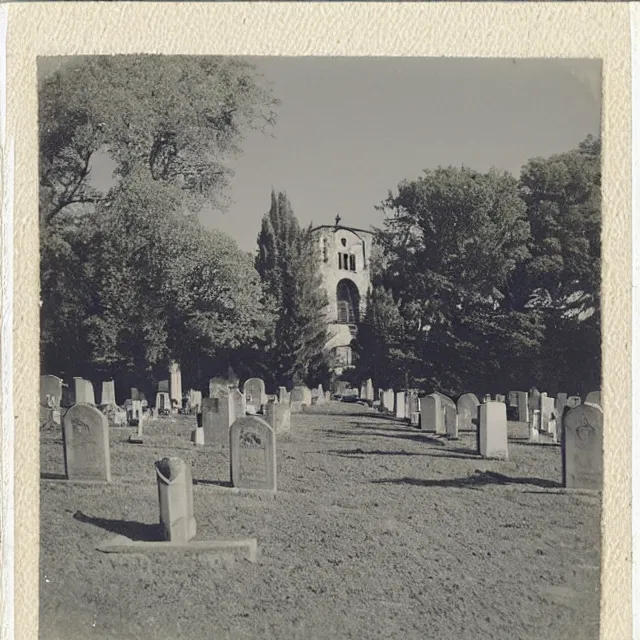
(562, 278)
(180, 118)
(287, 261)
(451, 244)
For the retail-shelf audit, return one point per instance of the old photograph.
(320, 347)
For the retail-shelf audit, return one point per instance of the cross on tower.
(338, 218)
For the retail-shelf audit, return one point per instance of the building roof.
(339, 226)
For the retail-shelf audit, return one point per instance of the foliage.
(287, 262)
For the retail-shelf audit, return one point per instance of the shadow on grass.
(214, 483)
(360, 453)
(129, 528)
(406, 435)
(53, 476)
(480, 479)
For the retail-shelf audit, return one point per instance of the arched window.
(348, 302)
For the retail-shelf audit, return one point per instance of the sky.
(351, 129)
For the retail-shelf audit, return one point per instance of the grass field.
(378, 531)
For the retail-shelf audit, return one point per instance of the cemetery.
(270, 519)
(390, 426)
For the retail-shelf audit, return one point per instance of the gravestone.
(108, 395)
(175, 383)
(327, 396)
(135, 415)
(534, 400)
(534, 426)
(218, 414)
(467, 407)
(197, 436)
(432, 415)
(163, 387)
(116, 417)
(573, 401)
(302, 395)
(175, 496)
(283, 395)
(401, 405)
(450, 422)
(368, 390)
(486, 397)
(195, 400)
(512, 399)
(413, 405)
(255, 394)
(83, 391)
(86, 444)
(163, 402)
(547, 408)
(523, 406)
(50, 391)
(492, 430)
(388, 399)
(500, 398)
(278, 416)
(239, 403)
(414, 419)
(593, 397)
(582, 448)
(253, 454)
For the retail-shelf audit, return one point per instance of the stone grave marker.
(327, 396)
(283, 395)
(136, 412)
(451, 422)
(163, 387)
(547, 408)
(573, 401)
(534, 426)
(500, 398)
(218, 414)
(239, 402)
(255, 393)
(108, 395)
(512, 398)
(50, 391)
(492, 430)
(593, 397)
(401, 405)
(302, 395)
(467, 407)
(253, 454)
(86, 444)
(278, 416)
(433, 414)
(582, 448)
(523, 406)
(195, 400)
(163, 402)
(175, 496)
(534, 400)
(175, 383)
(388, 398)
(83, 391)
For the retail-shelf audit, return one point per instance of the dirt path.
(377, 531)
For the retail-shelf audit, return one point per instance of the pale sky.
(350, 129)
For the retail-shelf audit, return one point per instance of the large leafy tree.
(288, 261)
(129, 278)
(451, 244)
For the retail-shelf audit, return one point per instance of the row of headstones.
(250, 439)
(581, 425)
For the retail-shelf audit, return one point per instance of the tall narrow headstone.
(534, 400)
(534, 426)
(175, 383)
(401, 405)
(253, 454)
(283, 396)
(239, 403)
(86, 444)
(175, 495)
(523, 406)
(163, 402)
(108, 395)
(450, 422)
(547, 408)
(467, 407)
(582, 448)
(512, 399)
(278, 416)
(492, 430)
(218, 414)
(50, 391)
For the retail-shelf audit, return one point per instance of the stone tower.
(345, 253)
